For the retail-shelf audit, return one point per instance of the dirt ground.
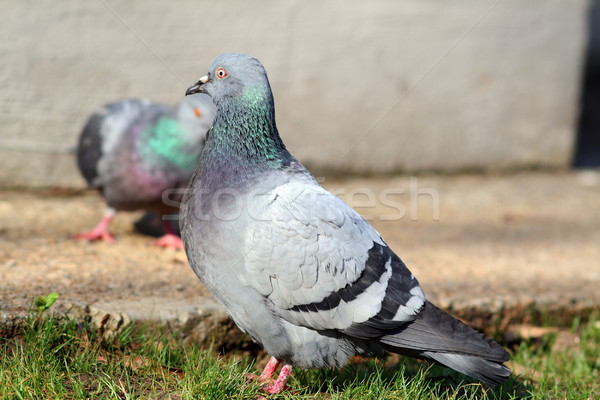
(499, 242)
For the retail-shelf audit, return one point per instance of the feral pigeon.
(135, 152)
(296, 268)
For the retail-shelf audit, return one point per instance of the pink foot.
(269, 369)
(100, 232)
(273, 386)
(170, 240)
(94, 235)
(280, 383)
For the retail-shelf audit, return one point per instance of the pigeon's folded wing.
(322, 266)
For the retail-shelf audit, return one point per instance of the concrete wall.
(361, 86)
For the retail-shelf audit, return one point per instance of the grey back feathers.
(296, 268)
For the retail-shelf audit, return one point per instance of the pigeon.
(136, 152)
(296, 268)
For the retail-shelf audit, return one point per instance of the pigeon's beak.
(197, 87)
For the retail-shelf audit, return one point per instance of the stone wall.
(360, 86)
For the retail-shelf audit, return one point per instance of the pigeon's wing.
(103, 134)
(322, 266)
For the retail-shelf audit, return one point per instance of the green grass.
(57, 358)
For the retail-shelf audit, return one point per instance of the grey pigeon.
(296, 268)
(135, 151)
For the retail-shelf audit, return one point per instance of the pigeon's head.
(197, 109)
(233, 75)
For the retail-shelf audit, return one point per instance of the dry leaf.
(102, 358)
(519, 369)
(524, 332)
(136, 362)
(566, 340)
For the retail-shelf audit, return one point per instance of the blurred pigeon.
(134, 152)
(296, 268)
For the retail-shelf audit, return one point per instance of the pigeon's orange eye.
(197, 112)
(221, 73)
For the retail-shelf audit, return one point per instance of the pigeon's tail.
(89, 149)
(437, 336)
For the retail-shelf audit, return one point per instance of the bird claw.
(275, 388)
(169, 240)
(96, 234)
(257, 378)
(270, 385)
(100, 232)
(251, 377)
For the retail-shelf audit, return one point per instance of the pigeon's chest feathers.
(164, 144)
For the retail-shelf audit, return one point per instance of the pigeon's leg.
(281, 383)
(100, 232)
(169, 239)
(273, 386)
(266, 375)
(269, 369)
